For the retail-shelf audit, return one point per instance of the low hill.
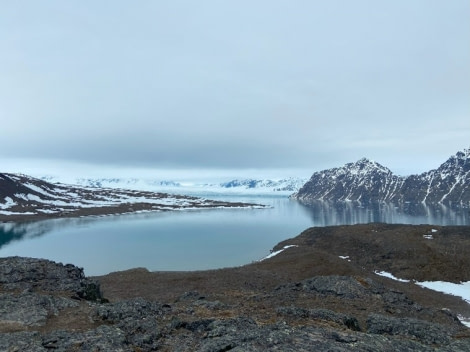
(26, 198)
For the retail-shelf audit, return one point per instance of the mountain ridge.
(368, 181)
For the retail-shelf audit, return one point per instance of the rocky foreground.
(306, 298)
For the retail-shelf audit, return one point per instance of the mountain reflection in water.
(325, 213)
(202, 239)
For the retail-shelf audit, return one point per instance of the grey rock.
(348, 287)
(211, 305)
(142, 325)
(136, 308)
(194, 326)
(242, 334)
(31, 309)
(348, 321)
(18, 273)
(344, 286)
(190, 296)
(426, 332)
(103, 338)
(21, 341)
(136, 318)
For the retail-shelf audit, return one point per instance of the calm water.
(196, 240)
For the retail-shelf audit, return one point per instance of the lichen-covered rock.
(136, 318)
(423, 331)
(344, 286)
(103, 338)
(31, 309)
(348, 321)
(35, 292)
(19, 273)
(21, 341)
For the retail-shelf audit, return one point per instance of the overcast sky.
(256, 85)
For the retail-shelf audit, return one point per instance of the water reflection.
(325, 213)
(11, 231)
(200, 239)
(317, 213)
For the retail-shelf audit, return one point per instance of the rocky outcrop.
(31, 309)
(29, 274)
(367, 181)
(421, 330)
(43, 306)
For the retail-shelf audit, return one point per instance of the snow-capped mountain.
(235, 186)
(284, 185)
(364, 181)
(24, 196)
(449, 183)
(125, 183)
(368, 181)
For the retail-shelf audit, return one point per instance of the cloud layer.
(265, 84)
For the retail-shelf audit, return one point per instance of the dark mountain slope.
(367, 181)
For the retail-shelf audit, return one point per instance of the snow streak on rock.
(367, 181)
(24, 195)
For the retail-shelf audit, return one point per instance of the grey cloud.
(245, 84)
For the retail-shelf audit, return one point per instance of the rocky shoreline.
(127, 208)
(307, 297)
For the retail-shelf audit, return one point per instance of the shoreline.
(29, 199)
(125, 209)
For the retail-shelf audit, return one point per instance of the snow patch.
(39, 190)
(390, 276)
(272, 254)
(461, 290)
(465, 321)
(8, 203)
(6, 212)
(48, 211)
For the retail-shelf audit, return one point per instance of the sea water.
(198, 239)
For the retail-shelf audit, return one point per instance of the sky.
(261, 86)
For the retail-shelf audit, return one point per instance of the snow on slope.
(461, 290)
(24, 195)
(367, 181)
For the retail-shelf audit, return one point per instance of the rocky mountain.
(368, 181)
(364, 181)
(23, 197)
